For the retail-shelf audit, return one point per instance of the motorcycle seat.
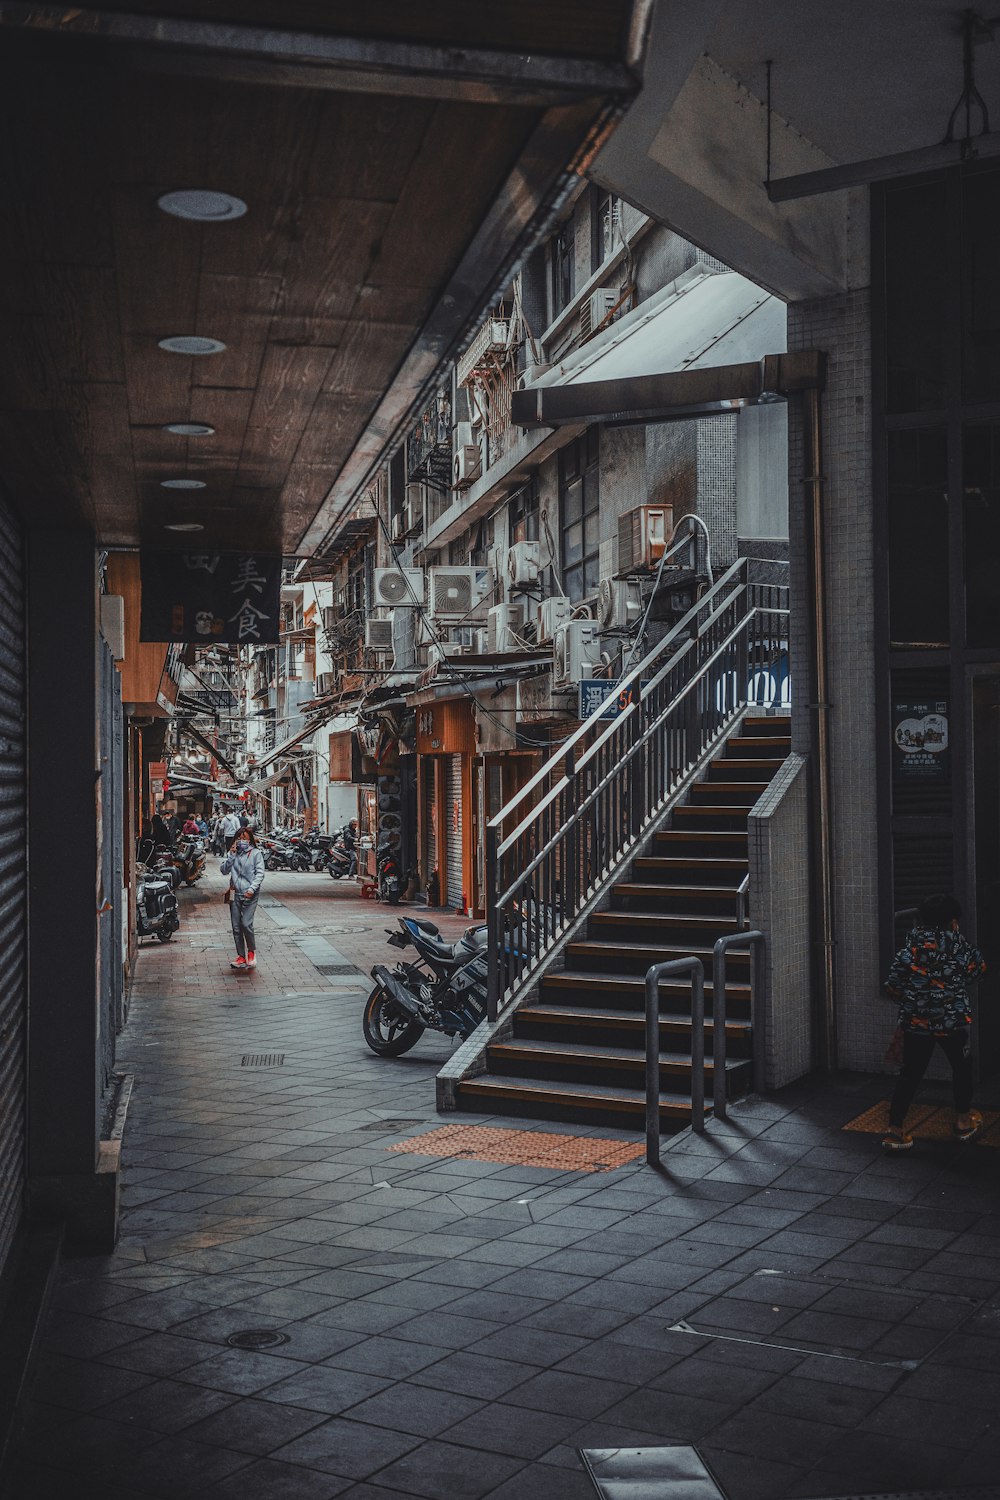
(425, 926)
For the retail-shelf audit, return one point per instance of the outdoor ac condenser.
(378, 635)
(502, 624)
(460, 595)
(551, 614)
(399, 587)
(577, 652)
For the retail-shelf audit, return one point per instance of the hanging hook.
(974, 28)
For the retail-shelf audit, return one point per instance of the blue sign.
(595, 690)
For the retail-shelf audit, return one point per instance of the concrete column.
(63, 852)
(841, 326)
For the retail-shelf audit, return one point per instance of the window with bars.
(579, 515)
(605, 221)
(563, 252)
(522, 514)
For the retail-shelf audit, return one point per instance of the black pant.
(917, 1052)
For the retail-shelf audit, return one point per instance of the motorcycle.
(155, 905)
(339, 861)
(445, 990)
(388, 879)
(321, 846)
(189, 855)
(283, 854)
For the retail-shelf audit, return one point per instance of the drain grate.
(257, 1338)
(262, 1059)
(389, 1127)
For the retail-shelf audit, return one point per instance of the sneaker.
(968, 1132)
(251, 959)
(238, 963)
(896, 1140)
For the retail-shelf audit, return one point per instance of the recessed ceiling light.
(202, 204)
(189, 343)
(189, 429)
(184, 526)
(182, 484)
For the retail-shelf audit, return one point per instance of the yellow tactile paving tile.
(524, 1148)
(926, 1122)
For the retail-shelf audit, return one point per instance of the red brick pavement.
(196, 960)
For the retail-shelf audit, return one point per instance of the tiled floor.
(819, 1319)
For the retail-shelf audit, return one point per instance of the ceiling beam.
(272, 55)
(673, 397)
(882, 168)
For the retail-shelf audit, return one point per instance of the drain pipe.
(814, 482)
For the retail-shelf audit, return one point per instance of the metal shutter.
(13, 883)
(453, 827)
(429, 851)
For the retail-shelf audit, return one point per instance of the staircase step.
(634, 890)
(735, 793)
(573, 986)
(581, 1062)
(627, 1025)
(755, 724)
(631, 958)
(564, 1100)
(706, 818)
(698, 869)
(711, 843)
(706, 927)
(729, 768)
(754, 746)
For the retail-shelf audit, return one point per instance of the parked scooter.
(155, 905)
(445, 990)
(339, 861)
(320, 845)
(388, 879)
(189, 856)
(283, 852)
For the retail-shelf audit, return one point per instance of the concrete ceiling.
(393, 170)
(850, 82)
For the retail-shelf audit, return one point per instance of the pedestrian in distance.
(230, 828)
(159, 831)
(244, 864)
(191, 829)
(930, 979)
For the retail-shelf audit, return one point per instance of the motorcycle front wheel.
(388, 1030)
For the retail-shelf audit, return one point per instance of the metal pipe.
(814, 481)
(696, 969)
(755, 941)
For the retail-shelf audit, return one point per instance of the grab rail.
(581, 814)
(755, 941)
(696, 969)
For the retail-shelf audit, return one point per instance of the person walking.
(930, 978)
(244, 864)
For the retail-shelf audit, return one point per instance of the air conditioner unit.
(523, 564)
(502, 624)
(480, 642)
(326, 683)
(442, 651)
(468, 464)
(642, 536)
(330, 616)
(378, 635)
(402, 587)
(596, 309)
(399, 526)
(577, 652)
(619, 604)
(460, 594)
(551, 614)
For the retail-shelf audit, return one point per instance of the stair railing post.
(755, 941)
(494, 924)
(571, 880)
(696, 969)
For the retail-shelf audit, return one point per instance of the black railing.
(563, 835)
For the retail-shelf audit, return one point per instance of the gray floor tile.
(445, 1471)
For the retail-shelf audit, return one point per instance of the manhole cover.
(387, 1126)
(262, 1059)
(257, 1338)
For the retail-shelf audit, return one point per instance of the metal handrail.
(755, 941)
(743, 901)
(586, 808)
(696, 969)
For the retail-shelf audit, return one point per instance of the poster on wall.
(920, 740)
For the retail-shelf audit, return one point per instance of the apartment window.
(579, 515)
(563, 268)
(606, 217)
(522, 514)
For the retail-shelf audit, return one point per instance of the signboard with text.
(210, 597)
(595, 691)
(920, 740)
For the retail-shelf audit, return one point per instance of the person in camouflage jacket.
(930, 979)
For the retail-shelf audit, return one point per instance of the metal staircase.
(629, 847)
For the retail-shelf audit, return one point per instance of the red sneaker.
(238, 963)
(251, 959)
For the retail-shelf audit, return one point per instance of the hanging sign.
(231, 597)
(596, 690)
(920, 740)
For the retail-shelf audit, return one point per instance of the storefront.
(446, 747)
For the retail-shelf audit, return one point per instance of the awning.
(704, 320)
(331, 723)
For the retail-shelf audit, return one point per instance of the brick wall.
(779, 906)
(841, 327)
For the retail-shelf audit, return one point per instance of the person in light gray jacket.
(244, 864)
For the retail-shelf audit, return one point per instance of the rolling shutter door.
(453, 827)
(429, 853)
(13, 883)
